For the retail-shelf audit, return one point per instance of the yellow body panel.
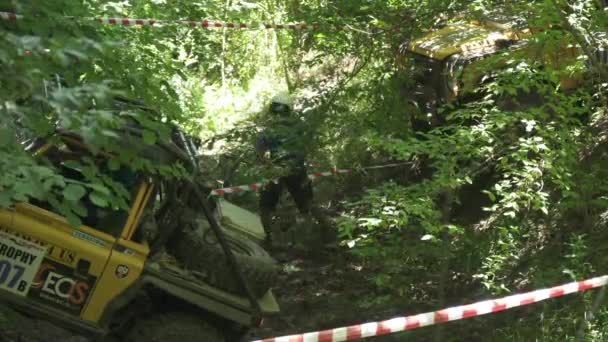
(47, 227)
(123, 268)
(75, 259)
(138, 210)
(454, 39)
(131, 219)
(84, 269)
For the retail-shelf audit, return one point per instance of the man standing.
(282, 144)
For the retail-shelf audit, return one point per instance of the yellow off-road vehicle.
(447, 64)
(160, 271)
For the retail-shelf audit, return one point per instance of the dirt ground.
(318, 291)
(16, 327)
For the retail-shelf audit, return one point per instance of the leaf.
(490, 195)
(113, 164)
(149, 137)
(72, 164)
(80, 210)
(43, 172)
(427, 237)
(73, 220)
(5, 199)
(511, 214)
(98, 187)
(73, 192)
(6, 136)
(98, 199)
(24, 188)
(109, 133)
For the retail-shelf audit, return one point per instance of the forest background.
(494, 201)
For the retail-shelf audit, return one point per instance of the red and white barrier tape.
(9, 16)
(328, 173)
(314, 175)
(201, 23)
(127, 21)
(259, 185)
(398, 324)
(236, 189)
(208, 24)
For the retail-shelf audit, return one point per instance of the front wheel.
(200, 251)
(174, 326)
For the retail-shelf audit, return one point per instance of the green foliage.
(71, 79)
(507, 192)
(398, 233)
(523, 161)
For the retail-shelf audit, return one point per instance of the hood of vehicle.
(241, 220)
(457, 38)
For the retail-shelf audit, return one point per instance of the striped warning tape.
(207, 24)
(333, 172)
(314, 175)
(127, 21)
(236, 189)
(192, 23)
(259, 185)
(9, 16)
(398, 324)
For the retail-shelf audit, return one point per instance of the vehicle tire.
(198, 250)
(174, 326)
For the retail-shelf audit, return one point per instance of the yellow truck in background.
(450, 63)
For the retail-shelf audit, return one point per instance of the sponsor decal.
(57, 285)
(88, 237)
(61, 254)
(124, 250)
(54, 252)
(121, 271)
(19, 260)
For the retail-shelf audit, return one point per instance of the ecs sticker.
(121, 271)
(56, 284)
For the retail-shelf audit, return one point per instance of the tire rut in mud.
(174, 326)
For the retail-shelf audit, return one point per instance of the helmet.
(281, 103)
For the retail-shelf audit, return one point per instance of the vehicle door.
(127, 257)
(67, 268)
